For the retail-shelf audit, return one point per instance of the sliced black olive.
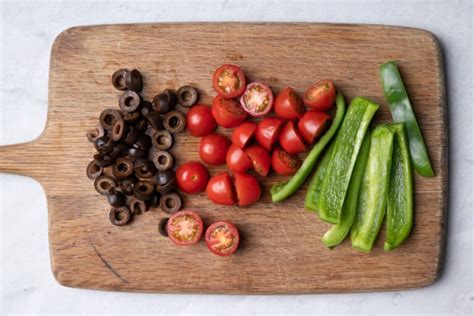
(129, 101)
(131, 135)
(154, 200)
(126, 185)
(103, 160)
(162, 227)
(120, 216)
(104, 144)
(187, 96)
(131, 116)
(93, 170)
(134, 80)
(123, 168)
(104, 184)
(165, 101)
(174, 122)
(146, 108)
(116, 198)
(119, 150)
(143, 142)
(162, 140)
(108, 117)
(145, 169)
(143, 190)
(118, 129)
(135, 153)
(118, 79)
(166, 181)
(182, 109)
(170, 203)
(137, 206)
(154, 120)
(142, 125)
(163, 160)
(95, 133)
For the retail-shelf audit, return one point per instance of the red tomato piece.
(257, 99)
(192, 177)
(289, 105)
(243, 133)
(237, 160)
(213, 149)
(267, 131)
(260, 159)
(227, 112)
(321, 95)
(291, 140)
(219, 189)
(199, 121)
(285, 163)
(247, 188)
(312, 125)
(185, 228)
(229, 81)
(222, 238)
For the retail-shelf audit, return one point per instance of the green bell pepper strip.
(337, 233)
(339, 171)
(400, 192)
(402, 112)
(312, 195)
(283, 190)
(372, 202)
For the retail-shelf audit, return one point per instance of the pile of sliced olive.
(133, 166)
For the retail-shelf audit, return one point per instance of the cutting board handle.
(24, 159)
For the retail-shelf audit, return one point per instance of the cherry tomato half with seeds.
(237, 160)
(290, 139)
(260, 159)
(321, 95)
(257, 99)
(229, 81)
(185, 228)
(199, 121)
(285, 163)
(289, 105)
(219, 189)
(247, 189)
(192, 177)
(222, 238)
(267, 131)
(313, 124)
(243, 133)
(213, 149)
(227, 112)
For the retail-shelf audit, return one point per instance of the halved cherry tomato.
(247, 188)
(289, 105)
(227, 112)
(285, 163)
(213, 149)
(199, 121)
(291, 140)
(229, 81)
(192, 177)
(260, 159)
(243, 133)
(222, 238)
(219, 189)
(312, 125)
(237, 160)
(257, 99)
(185, 228)
(267, 131)
(321, 95)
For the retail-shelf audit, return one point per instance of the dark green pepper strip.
(339, 171)
(337, 233)
(402, 112)
(282, 191)
(312, 195)
(372, 202)
(400, 192)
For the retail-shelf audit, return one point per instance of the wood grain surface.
(281, 250)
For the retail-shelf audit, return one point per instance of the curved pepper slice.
(283, 190)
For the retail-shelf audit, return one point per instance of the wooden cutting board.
(281, 250)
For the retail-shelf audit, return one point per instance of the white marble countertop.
(27, 32)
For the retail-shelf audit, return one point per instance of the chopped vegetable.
(402, 112)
